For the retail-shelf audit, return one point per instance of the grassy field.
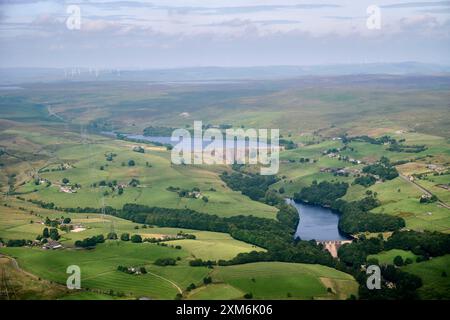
(216, 291)
(277, 280)
(99, 268)
(435, 285)
(387, 257)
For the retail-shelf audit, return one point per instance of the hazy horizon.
(178, 34)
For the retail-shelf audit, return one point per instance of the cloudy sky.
(175, 33)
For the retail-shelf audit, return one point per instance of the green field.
(435, 285)
(387, 257)
(98, 268)
(278, 280)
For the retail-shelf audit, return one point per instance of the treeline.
(367, 139)
(18, 243)
(416, 148)
(365, 181)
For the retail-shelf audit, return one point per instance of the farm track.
(7, 291)
(426, 191)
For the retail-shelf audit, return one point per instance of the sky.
(173, 33)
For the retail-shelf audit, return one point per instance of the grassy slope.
(274, 280)
(435, 286)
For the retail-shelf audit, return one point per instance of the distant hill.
(10, 76)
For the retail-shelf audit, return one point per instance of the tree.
(54, 235)
(65, 181)
(125, 237)
(45, 233)
(398, 261)
(207, 280)
(112, 236)
(131, 163)
(248, 295)
(67, 220)
(136, 238)
(191, 287)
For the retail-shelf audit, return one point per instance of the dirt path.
(165, 279)
(153, 274)
(16, 266)
(443, 204)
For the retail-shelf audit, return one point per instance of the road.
(443, 204)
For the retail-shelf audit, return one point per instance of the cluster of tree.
(398, 147)
(252, 185)
(165, 262)
(56, 222)
(428, 244)
(323, 193)
(395, 285)
(52, 234)
(383, 168)
(356, 218)
(90, 242)
(287, 144)
(18, 243)
(365, 181)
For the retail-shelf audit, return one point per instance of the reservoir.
(168, 141)
(317, 223)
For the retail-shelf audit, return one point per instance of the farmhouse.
(51, 244)
(67, 190)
